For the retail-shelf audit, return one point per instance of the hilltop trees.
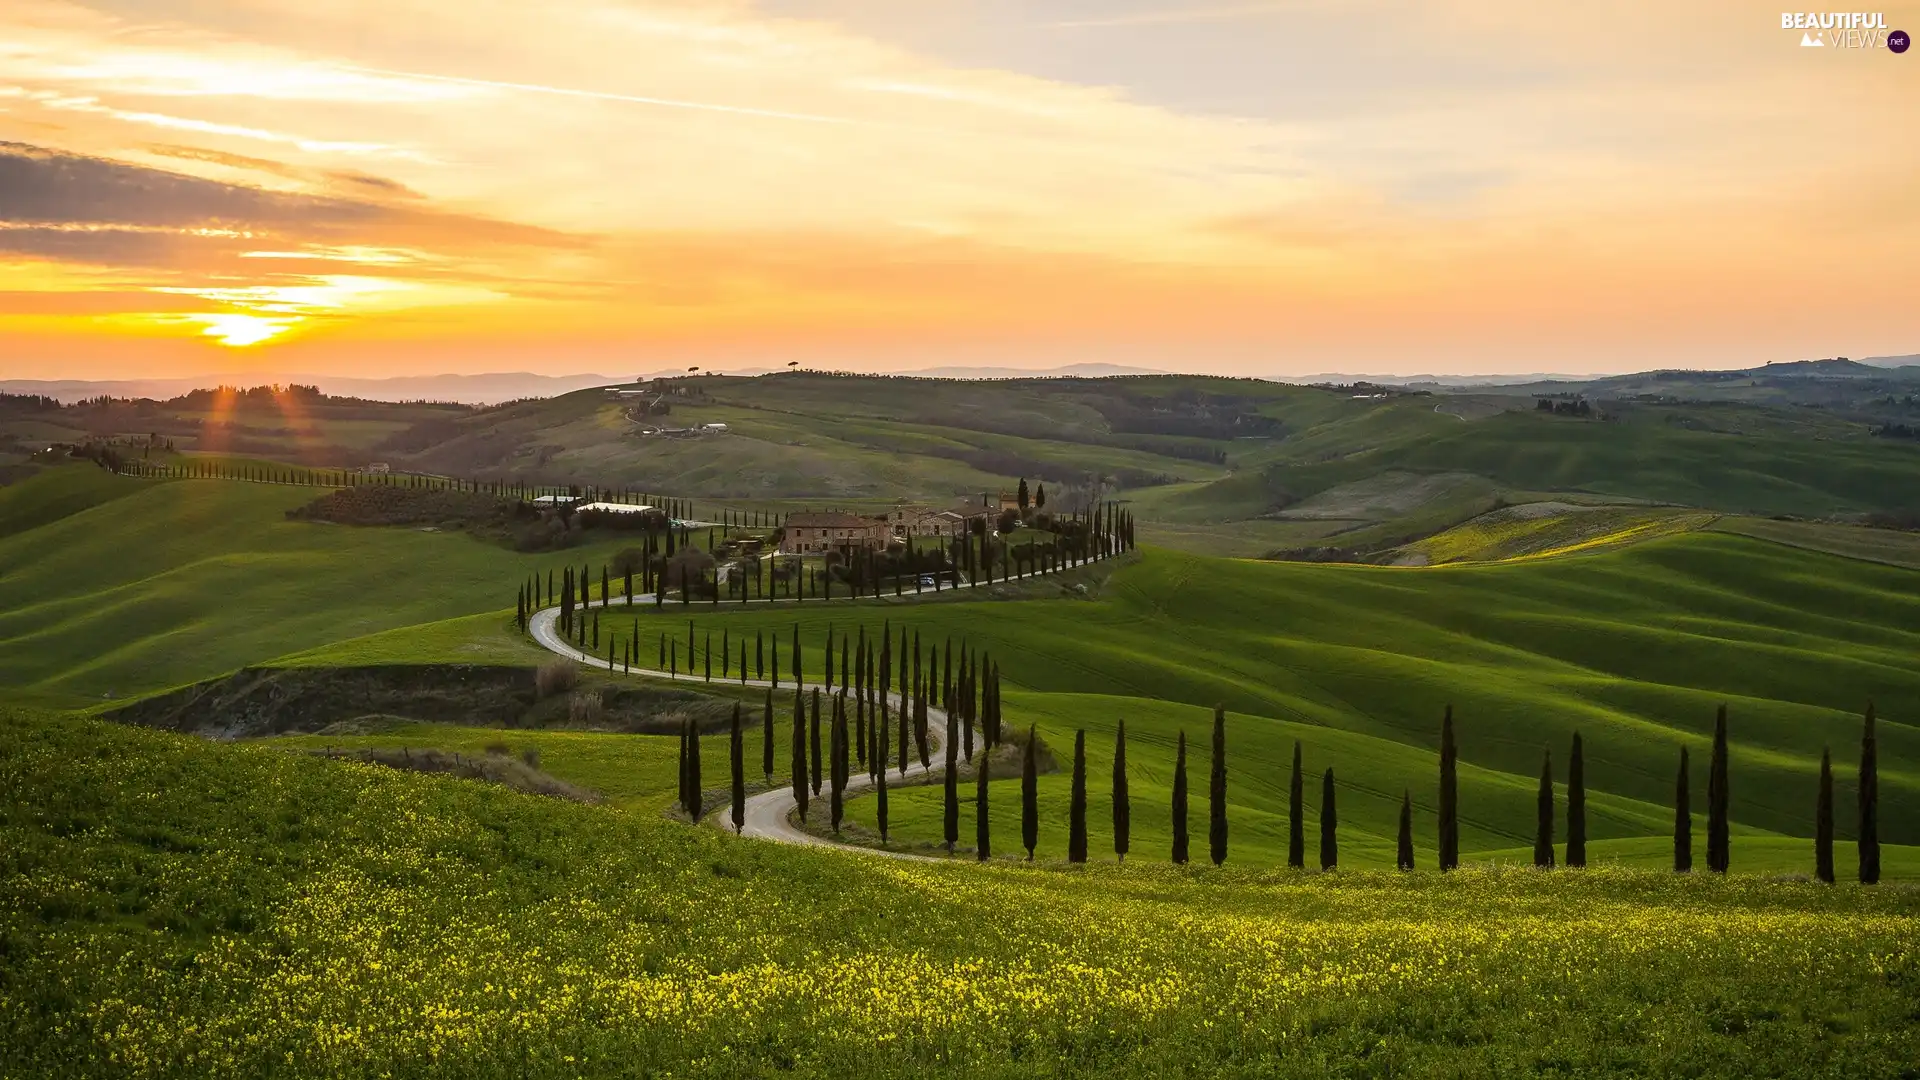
(1717, 797)
(1869, 801)
(1217, 789)
(1682, 820)
(1296, 828)
(1576, 805)
(1122, 809)
(1180, 801)
(1543, 822)
(1823, 821)
(1329, 823)
(1449, 795)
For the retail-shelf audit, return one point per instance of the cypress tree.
(1869, 793)
(880, 786)
(695, 786)
(1682, 819)
(982, 841)
(1217, 789)
(759, 655)
(1077, 804)
(774, 659)
(837, 773)
(860, 732)
(1449, 795)
(1030, 796)
(1543, 815)
(798, 678)
(681, 797)
(1404, 855)
(1823, 821)
(1717, 797)
(1329, 824)
(951, 781)
(1180, 801)
(1296, 826)
(800, 753)
(766, 738)
(813, 724)
(1122, 809)
(1577, 805)
(737, 758)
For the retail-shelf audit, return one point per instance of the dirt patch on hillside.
(273, 701)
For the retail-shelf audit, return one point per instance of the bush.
(586, 708)
(555, 677)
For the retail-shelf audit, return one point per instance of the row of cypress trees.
(867, 689)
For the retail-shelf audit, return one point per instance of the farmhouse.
(905, 521)
(809, 532)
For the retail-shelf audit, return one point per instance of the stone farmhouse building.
(810, 532)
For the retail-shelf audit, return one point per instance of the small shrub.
(586, 708)
(498, 749)
(556, 677)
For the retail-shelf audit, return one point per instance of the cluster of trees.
(871, 710)
(1575, 407)
(1896, 431)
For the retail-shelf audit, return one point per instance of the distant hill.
(487, 389)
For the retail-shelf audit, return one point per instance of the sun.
(238, 331)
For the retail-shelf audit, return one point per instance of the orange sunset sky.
(375, 187)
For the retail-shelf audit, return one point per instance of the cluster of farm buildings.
(816, 532)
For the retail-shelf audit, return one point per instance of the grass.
(1889, 546)
(138, 594)
(170, 907)
(1633, 647)
(1543, 530)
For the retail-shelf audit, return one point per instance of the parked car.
(926, 581)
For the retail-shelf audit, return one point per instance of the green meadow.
(173, 907)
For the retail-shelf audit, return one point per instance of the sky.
(396, 187)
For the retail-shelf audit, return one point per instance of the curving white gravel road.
(769, 813)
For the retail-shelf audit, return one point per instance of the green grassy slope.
(1632, 647)
(174, 908)
(177, 581)
(52, 494)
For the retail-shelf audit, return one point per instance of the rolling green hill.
(134, 586)
(1634, 647)
(170, 907)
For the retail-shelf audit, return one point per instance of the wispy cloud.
(605, 95)
(1173, 16)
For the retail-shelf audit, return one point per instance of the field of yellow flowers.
(170, 907)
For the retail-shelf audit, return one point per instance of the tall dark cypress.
(695, 785)
(837, 773)
(1217, 789)
(1823, 821)
(813, 727)
(880, 784)
(1577, 805)
(1869, 793)
(1180, 801)
(951, 788)
(1682, 819)
(1449, 795)
(1717, 797)
(799, 676)
(982, 839)
(800, 753)
(1403, 856)
(1030, 795)
(1077, 802)
(681, 795)
(766, 737)
(1329, 825)
(1122, 808)
(1296, 824)
(737, 759)
(759, 655)
(1543, 815)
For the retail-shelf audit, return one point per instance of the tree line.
(974, 701)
